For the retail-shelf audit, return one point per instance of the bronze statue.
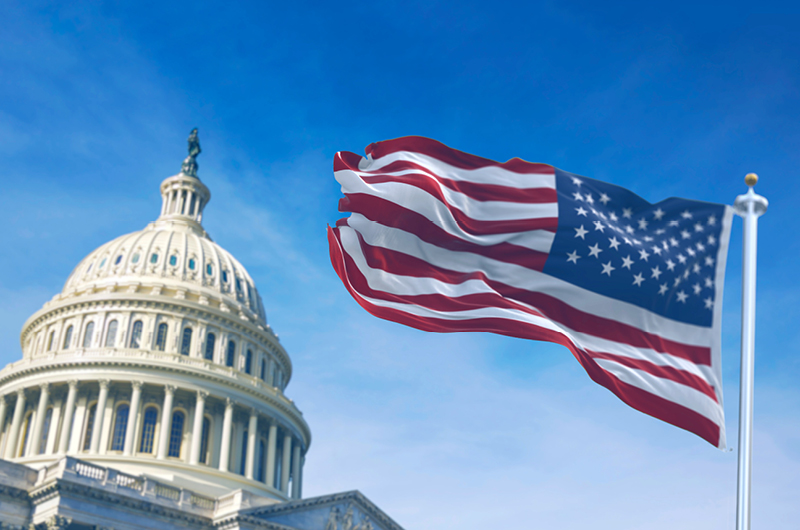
(189, 166)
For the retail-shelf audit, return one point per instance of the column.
(13, 433)
(287, 458)
(296, 472)
(99, 413)
(197, 430)
(252, 436)
(166, 422)
(133, 413)
(2, 417)
(272, 440)
(225, 445)
(36, 440)
(69, 411)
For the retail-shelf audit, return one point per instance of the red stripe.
(454, 157)
(395, 262)
(392, 215)
(637, 398)
(475, 190)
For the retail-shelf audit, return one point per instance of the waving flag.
(445, 241)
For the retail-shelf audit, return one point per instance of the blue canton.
(661, 257)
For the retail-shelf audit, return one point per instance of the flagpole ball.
(750, 179)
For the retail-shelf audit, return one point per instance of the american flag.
(445, 241)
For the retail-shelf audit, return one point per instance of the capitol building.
(151, 395)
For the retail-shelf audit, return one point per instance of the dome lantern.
(183, 196)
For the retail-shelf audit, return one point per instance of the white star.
(595, 250)
(681, 258)
(573, 257)
(677, 281)
(686, 215)
(660, 231)
(589, 199)
(712, 220)
(658, 214)
(656, 272)
(581, 211)
(642, 224)
(697, 288)
(712, 240)
(581, 232)
(627, 262)
(696, 268)
(709, 283)
(578, 196)
(709, 303)
(628, 241)
(709, 261)
(665, 245)
(673, 242)
(682, 297)
(629, 229)
(604, 198)
(690, 251)
(657, 250)
(613, 216)
(643, 254)
(637, 280)
(662, 289)
(686, 274)
(647, 238)
(607, 268)
(613, 243)
(685, 234)
(674, 222)
(627, 212)
(598, 226)
(698, 227)
(593, 211)
(602, 215)
(700, 247)
(670, 264)
(636, 241)
(577, 181)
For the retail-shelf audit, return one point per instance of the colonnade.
(89, 418)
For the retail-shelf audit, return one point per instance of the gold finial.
(750, 179)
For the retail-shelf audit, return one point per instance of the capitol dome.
(156, 360)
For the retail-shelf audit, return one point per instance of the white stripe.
(484, 175)
(416, 199)
(523, 278)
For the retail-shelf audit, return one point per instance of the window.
(191, 263)
(248, 362)
(119, 258)
(136, 334)
(210, 269)
(186, 342)
(238, 286)
(50, 340)
(87, 431)
(243, 461)
(111, 334)
(176, 434)
(192, 203)
(87, 335)
(173, 260)
(210, 340)
(204, 440)
(26, 431)
(48, 416)
(67, 338)
(148, 430)
(120, 426)
(90, 268)
(161, 337)
(230, 354)
(263, 374)
(135, 258)
(102, 263)
(154, 258)
(225, 276)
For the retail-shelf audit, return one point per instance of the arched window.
(50, 340)
(259, 474)
(120, 427)
(173, 260)
(186, 341)
(67, 338)
(230, 354)
(161, 337)
(148, 430)
(204, 440)
(248, 362)
(154, 258)
(176, 434)
(243, 460)
(136, 334)
(87, 335)
(87, 431)
(263, 373)
(26, 431)
(48, 416)
(210, 340)
(111, 334)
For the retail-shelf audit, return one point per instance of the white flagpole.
(750, 207)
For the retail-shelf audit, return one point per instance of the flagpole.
(750, 207)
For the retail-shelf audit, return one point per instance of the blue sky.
(442, 431)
